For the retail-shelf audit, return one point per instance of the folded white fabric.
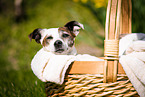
(136, 46)
(133, 45)
(50, 67)
(55, 68)
(134, 66)
(129, 41)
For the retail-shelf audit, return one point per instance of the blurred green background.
(18, 18)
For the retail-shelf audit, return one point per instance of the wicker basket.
(101, 78)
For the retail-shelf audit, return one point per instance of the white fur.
(54, 33)
(56, 36)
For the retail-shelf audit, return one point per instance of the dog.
(51, 62)
(59, 41)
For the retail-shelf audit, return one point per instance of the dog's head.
(57, 40)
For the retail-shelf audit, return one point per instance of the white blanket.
(131, 42)
(50, 67)
(133, 60)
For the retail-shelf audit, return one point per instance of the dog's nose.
(58, 43)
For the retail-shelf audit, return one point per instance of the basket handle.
(118, 21)
(126, 25)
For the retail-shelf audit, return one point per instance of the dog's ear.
(74, 27)
(35, 35)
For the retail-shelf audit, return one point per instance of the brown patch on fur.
(71, 38)
(66, 30)
(44, 43)
(63, 29)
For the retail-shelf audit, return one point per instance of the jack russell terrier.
(59, 41)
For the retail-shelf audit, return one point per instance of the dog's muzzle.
(58, 46)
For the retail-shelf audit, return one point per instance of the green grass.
(16, 50)
(21, 83)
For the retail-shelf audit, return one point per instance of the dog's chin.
(59, 51)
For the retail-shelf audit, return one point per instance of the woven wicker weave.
(91, 85)
(101, 78)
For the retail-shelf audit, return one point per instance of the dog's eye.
(65, 35)
(50, 37)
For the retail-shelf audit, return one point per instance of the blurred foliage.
(97, 7)
(138, 16)
(17, 51)
(95, 3)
